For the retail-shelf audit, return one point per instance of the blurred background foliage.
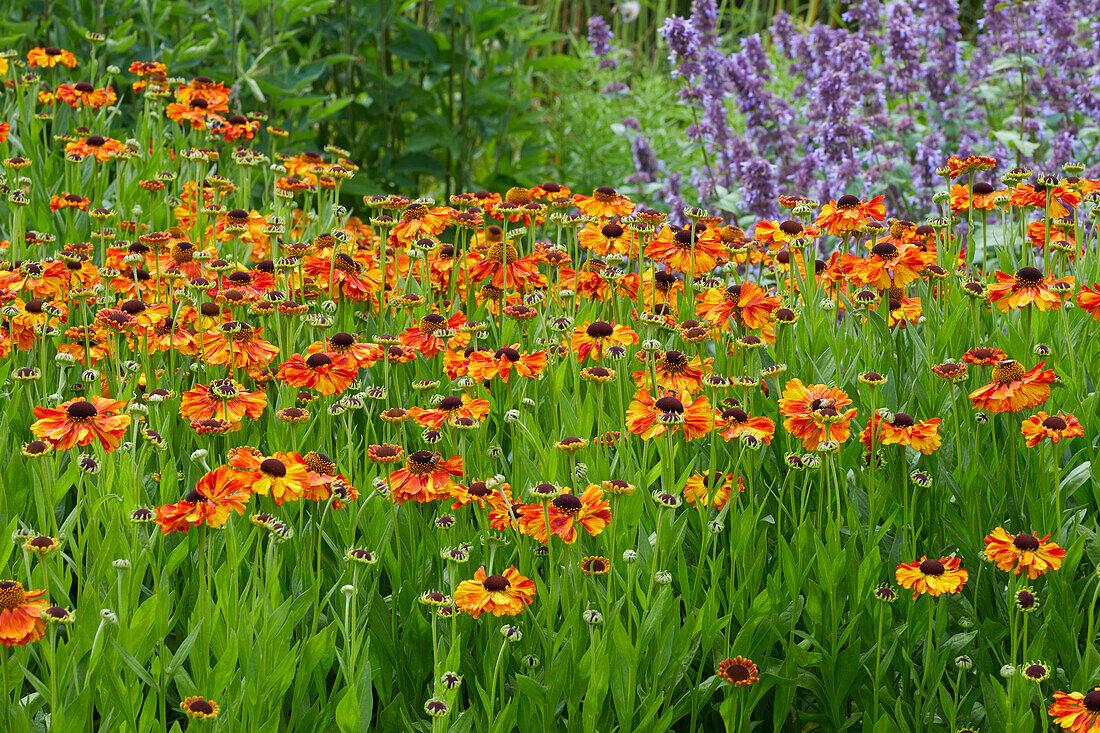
(431, 96)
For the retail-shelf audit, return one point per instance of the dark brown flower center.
(738, 672)
(612, 230)
(1028, 277)
(670, 404)
(600, 330)
(847, 201)
(495, 583)
(567, 504)
(316, 361)
(449, 404)
(81, 411)
(273, 467)
(508, 353)
(1055, 423)
(932, 567)
(885, 250)
(981, 188)
(202, 707)
(1026, 542)
(790, 227)
(1092, 701)
(901, 420)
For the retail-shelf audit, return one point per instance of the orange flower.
(814, 413)
(734, 422)
(241, 342)
(420, 222)
(778, 235)
(20, 620)
(650, 416)
(354, 279)
(675, 372)
(982, 197)
(501, 364)
(500, 595)
(283, 476)
(932, 576)
(318, 371)
(713, 491)
(102, 148)
(593, 339)
(425, 477)
(83, 94)
(1077, 713)
(449, 408)
(1023, 551)
(80, 422)
(923, 436)
(49, 57)
(747, 302)
(1054, 428)
(222, 398)
(504, 268)
(66, 200)
(607, 238)
(422, 336)
(1014, 389)
(1089, 300)
(888, 266)
(590, 510)
(985, 356)
(1026, 287)
(210, 502)
(846, 215)
(1062, 199)
(738, 671)
(675, 249)
(604, 202)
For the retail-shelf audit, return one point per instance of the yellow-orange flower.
(1040, 427)
(650, 416)
(1015, 553)
(1013, 388)
(80, 422)
(590, 510)
(1077, 713)
(815, 413)
(20, 620)
(932, 576)
(500, 595)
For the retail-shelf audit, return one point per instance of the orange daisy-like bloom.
(1077, 713)
(1063, 200)
(283, 476)
(1013, 388)
(196, 707)
(80, 422)
(449, 409)
(846, 215)
(1089, 300)
(353, 278)
(49, 57)
(503, 362)
(984, 356)
(420, 222)
(889, 266)
(607, 238)
(590, 510)
(347, 346)
(650, 416)
(738, 671)
(20, 620)
(1015, 553)
(932, 576)
(714, 490)
(956, 167)
(1027, 286)
(198, 112)
(1054, 428)
(422, 337)
(982, 198)
(224, 399)
(748, 303)
(320, 372)
(101, 148)
(500, 595)
(214, 496)
(504, 268)
(237, 339)
(65, 200)
(675, 248)
(734, 422)
(425, 477)
(778, 235)
(675, 372)
(815, 413)
(923, 436)
(83, 94)
(592, 339)
(604, 202)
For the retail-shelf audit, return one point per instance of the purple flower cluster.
(878, 106)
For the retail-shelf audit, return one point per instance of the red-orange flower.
(815, 413)
(903, 430)
(675, 371)
(484, 366)
(562, 514)
(1015, 553)
(20, 620)
(1027, 286)
(1089, 300)
(214, 496)
(679, 249)
(592, 339)
(425, 477)
(713, 491)
(846, 215)
(320, 372)
(889, 266)
(1013, 388)
(222, 398)
(1040, 427)
(932, 576)
(1077, 713)
(283, 476)
(604, 202)
(49, 57)
(747, 302)
(500, 595)
(734, 422)
(449, 408)
(80, 422)
(650, 416)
